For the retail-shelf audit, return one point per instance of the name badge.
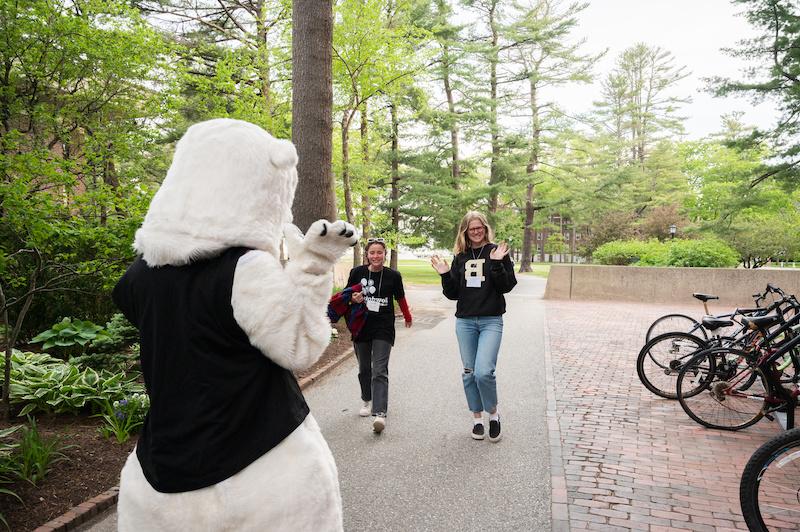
(473, 281)
(373, 305)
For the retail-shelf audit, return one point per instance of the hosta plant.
(69, 335)
(41, 383)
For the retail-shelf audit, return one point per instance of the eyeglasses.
(378, 240)
(476, 229)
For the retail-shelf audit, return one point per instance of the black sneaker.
(477, 431)
(494, 430)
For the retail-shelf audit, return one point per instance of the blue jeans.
(479, 342)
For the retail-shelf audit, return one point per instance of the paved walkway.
(601, 453)
(631, 460)
(425, 472)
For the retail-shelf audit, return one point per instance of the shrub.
(709, 253)
(120, 333)
(68, 336)
(706, 253)
(625, 252)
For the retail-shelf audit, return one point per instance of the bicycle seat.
(711, 323)
(761, 322)
(704, 297)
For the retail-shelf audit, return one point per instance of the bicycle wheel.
(661, 359)
(675, 323)
(723, 395)
(769, 491)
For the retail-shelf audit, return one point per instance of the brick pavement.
(622, 458)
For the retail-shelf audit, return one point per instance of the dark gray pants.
(373, 373)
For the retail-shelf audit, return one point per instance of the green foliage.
(8, 464)
(629, 252)
(68, 334)
(710, 253)
(771, 76)
(120, 333)
(41, 383)
(706, 253)
(113, 362)
(36, 454)
(555, 244)
(123, 417)
(83, 99)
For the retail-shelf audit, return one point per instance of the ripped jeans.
(479, 342)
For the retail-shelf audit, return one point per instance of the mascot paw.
(322, 245)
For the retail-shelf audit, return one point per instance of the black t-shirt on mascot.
(231, 403)
(379, 289)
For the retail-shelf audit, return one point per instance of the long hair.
(462, 241)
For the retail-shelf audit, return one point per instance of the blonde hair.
(462, 241)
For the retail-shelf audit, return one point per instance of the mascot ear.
(283, 154)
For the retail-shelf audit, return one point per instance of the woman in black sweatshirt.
(480, 274)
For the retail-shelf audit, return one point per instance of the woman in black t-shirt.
(480, 274)
(380, 286)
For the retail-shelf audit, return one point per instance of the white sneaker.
(366, 409)
(378, 424)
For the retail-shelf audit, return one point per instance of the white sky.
(694, 31)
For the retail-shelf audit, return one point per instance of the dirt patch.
(92, 466)
(93, 463)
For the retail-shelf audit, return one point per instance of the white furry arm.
(286, 321)
(282, 310)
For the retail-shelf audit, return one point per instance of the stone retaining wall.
(665, 285)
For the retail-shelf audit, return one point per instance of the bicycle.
(739, 387)
(687, 324)
(769, 491)
(660, 360)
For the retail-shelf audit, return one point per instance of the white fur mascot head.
(230, 184)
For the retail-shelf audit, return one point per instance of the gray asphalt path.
(425, 472)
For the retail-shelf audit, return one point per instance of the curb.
(86, 510)
(559, 507)
(307, 381)
(82, 513)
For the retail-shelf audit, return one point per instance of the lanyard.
(479, 252)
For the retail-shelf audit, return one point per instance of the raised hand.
(322, 245)
(499, 252)
(439, 265)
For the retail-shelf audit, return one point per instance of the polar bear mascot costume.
(229, 443)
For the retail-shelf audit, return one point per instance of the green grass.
(418, 271)
(539, 270)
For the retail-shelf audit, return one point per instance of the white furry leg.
(294, 487)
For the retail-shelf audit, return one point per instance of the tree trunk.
(262, 33)
(348, 193)
(395, 187)
(312, 100)
(494, 178)
(532, 167)
(11, 339)
(5, 403)
(366, 214)
(455, 168)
